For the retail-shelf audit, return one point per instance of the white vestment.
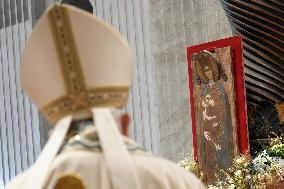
(81, 164)
(153, 172)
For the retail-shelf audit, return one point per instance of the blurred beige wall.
(175, 25)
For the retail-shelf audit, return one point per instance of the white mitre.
(74, 61)
(75, 64)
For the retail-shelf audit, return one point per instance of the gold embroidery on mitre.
(99, 96)
(66, 50)
(78, 97)
(69, 181)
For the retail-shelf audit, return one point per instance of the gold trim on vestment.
(69, 181)
(78, 97)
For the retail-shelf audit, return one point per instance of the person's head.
(206, 66)
(121, 118)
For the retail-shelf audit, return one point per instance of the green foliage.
(277, 150)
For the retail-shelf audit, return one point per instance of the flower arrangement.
(190, 165)
(264, 170)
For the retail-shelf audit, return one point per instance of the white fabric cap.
(74, 61)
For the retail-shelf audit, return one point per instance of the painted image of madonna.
(213, 119)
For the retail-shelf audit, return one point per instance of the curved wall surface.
(261, 24)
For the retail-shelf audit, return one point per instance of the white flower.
(239, 160)
(232, 186)
(238, 173)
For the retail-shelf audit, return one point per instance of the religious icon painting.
(218, 105)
